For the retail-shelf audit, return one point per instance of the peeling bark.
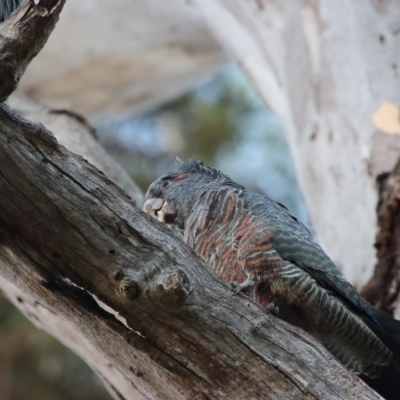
(384, 288)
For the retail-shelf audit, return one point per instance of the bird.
(7, 7)
(254, 242)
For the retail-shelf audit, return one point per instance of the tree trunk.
(329, 70)
(85, 263)
(384, 288)
(121, 56)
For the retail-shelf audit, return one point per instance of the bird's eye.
(164, 184)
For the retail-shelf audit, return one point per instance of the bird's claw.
(271, 309)
(245, 287)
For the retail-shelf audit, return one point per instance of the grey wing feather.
(7, 7)
(294, 243)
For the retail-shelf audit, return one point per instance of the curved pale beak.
(160, 209)
(152, 206)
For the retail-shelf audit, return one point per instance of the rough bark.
(384, 288)
(17, 48)
(329, 70)
(69, 334)
(73, 131)
(77, 245)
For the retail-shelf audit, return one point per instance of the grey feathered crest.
(208, 173)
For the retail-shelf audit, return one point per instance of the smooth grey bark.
(329, 70)
(122, 56)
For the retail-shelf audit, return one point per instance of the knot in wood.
(118, 275)
(129, 288)
(172, 287)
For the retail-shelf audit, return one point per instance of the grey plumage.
(7, 7)
(244, 235)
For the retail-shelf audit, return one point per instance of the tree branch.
(82, 260)
(71, 336)
(73, 131)
(79, 246)
(22, 36)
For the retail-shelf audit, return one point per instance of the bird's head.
(172, 197)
